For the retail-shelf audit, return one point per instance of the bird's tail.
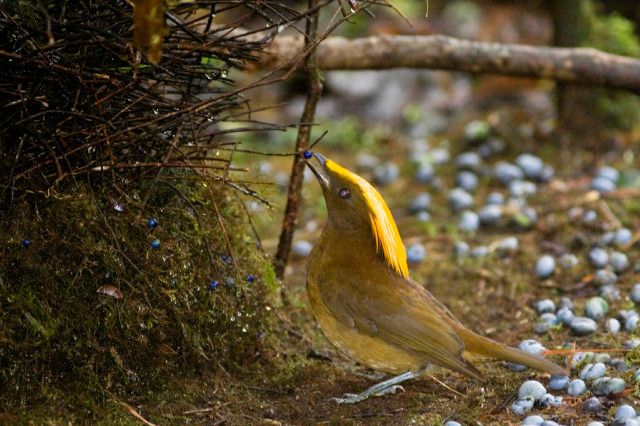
(480, 345)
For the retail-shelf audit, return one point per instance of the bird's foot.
(390, 390)
(354, 398)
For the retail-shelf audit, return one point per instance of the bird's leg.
(383, 388)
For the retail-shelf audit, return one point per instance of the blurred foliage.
(64, 341)
(616, 34)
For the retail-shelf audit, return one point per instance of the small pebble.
(490, 214)
(598, 257)
(622, 237)
(568, 261)
(558, 382)
(613, 325)
(565, 315)
(155, 244)
(532, 421)
(467, 181)
(624, 411)
(592, 405)
(507, 172)
(545, 266)
(420, 202)
(607, 386)
(459, 199)
(494, 199)
(602, 185)
(635, 293)
(544, 306)
(593, 371)
(469, 221)
(522, 406)
(302, 248)
(576, 387)
(619, 262)
(583, 326)
(416, 253)
(596, 308)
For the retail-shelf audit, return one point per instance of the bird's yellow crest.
(384, 229)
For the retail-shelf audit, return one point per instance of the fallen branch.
(582, 66)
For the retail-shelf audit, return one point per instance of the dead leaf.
(111, 291)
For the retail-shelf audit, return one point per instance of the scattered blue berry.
(469, 221)
(607, 386)
(152, 223)
(544, 306)
(26, 243)
(598, 257)
(558, 382)
(155, 244)
(302, 248)
(576, 387)
(213, 285)
(635, 293)
(416, 253)
(307, 154)
(522, 406)
(613, 325)
(593, 371)
(596, 308)
(622, 237)
(545, 266)
(421, 202)
(624, 411)
(583, 326)
(251, 278)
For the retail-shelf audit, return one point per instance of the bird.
(366, 304)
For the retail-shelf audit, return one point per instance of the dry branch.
(583, 66)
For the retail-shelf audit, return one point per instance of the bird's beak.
(320, 171)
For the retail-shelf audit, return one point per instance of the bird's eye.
(344, 193)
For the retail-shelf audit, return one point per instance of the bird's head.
(353, 204)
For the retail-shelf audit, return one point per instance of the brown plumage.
(364, 301)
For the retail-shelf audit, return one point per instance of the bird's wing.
(397, 311)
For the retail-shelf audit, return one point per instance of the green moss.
(60, 332)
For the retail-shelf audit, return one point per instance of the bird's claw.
(390, 390)
(349, 398)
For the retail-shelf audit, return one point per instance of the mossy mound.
(65, 328)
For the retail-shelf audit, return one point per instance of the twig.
(581, 66)
(136, 414)
(314, 86)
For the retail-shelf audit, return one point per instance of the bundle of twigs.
(77, 97)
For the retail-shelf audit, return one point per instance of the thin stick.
(314, 86)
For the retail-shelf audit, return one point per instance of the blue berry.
(545, 266)
(26, 243)
(251, 278)
(416, 253)
(598, 257)
(558, 382)
(576, 387)
(583, 326)
(625, 412)
(152, 223)
(230, 282)
(307, 154)
(522, 406)
(213, 285)
(155, 244)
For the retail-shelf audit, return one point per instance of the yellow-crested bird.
(367, 306)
